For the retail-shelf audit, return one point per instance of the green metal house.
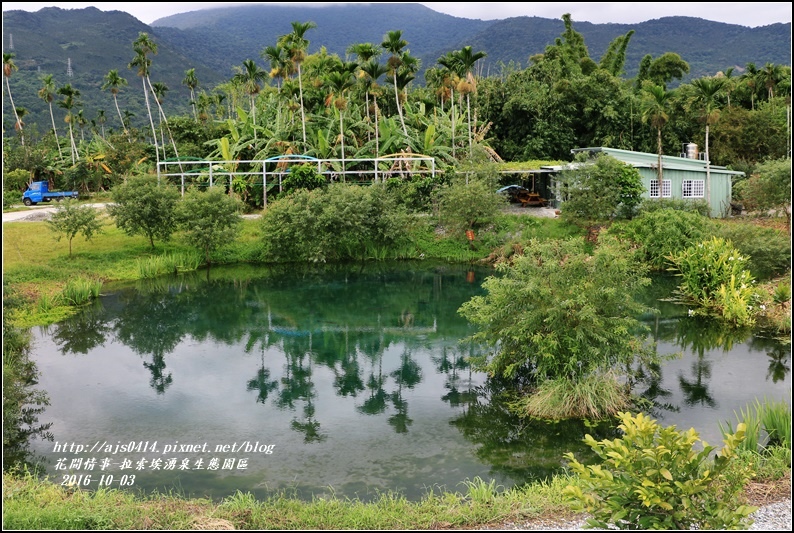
(687, 176)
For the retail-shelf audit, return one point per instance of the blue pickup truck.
(39, 191)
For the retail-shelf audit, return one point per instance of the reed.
(81, 290)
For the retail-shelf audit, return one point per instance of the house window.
(666, 189)
(693, 189)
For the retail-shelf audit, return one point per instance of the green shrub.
(768, 249)
(336, 223)
(652, 478)
(714, 277)
(649, 205)
(782, 293)
(662, 232)
(303, 177)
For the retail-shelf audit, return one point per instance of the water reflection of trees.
(521, 449)
(83, 331)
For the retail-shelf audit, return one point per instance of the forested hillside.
(80, 46)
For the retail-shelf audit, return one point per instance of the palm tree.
(770, 75)
(372, 71)
(249, 77)
(143, 46)
(750, 79)
(101, 119)
(81, 123)
(114, 82)
(296, 46)
(191, 81)
(340, 83)
(159, 89)
(394, 44)
(365, 52)
(467, 59)
(9, 67)
(706, 92)
(70, 96)
(654, 112)
(451, 62)
(47, 93)
(729, 83)
(280, 66)
(203, 105)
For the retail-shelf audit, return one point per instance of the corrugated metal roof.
(647, 160)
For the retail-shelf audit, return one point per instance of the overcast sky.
(743, 13)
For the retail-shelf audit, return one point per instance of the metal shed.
(682, 177)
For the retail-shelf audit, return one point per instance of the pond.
(346, 380)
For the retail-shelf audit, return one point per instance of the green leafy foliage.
(71, 219)
(768, 250)
(142, 206)
(600, 191)
(661, 233)
(303, 177)
(472, 205)
(336, 223)
(769, 188)
(653, 478)
(22, 403)
(558, 311)
(699, 206)
(714, 276)
(209, 219)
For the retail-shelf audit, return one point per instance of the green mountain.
(80, 46)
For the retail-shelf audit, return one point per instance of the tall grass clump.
(81, 290)
(151, 267)
(594, 396)
(768, 425)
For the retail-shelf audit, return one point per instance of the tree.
(9, 67)
(142, 206)
(666, 68)
(191, 81)
(372, 71)
(143, 46)
(770, 75)
(706, 92)
(114, 82)
(557, 313)
(340, 83)
(296, 45)
(70, 219)
(750, 79)
(69, 102)
(655, 112)
(770, 188)
(467, 86)
(209, 219)
(394, 44)
(469, 206)
(367, 54)
(452, 64)
(249, 78)
(600, 190)
(47, 93)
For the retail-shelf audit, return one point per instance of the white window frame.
(693, 189)
(667, 188)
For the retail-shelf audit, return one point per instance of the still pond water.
(345, 380)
